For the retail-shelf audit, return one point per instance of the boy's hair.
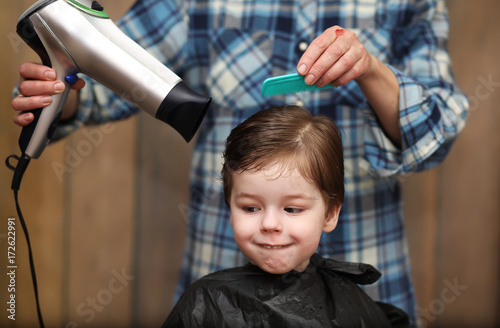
(292, 137)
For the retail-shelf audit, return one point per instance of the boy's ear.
(332, 218)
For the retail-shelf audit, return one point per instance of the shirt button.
(302, 46)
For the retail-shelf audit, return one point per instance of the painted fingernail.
(46, 100)
(59, 87)
(309, 79)
(302, 69)
(51, 75)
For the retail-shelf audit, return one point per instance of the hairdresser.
(396, 102)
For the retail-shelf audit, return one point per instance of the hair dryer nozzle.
(183, 109)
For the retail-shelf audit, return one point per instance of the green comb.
(285, 84)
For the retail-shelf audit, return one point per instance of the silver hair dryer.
(73, 36)
(77, 36)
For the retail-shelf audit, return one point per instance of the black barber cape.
(326, 294)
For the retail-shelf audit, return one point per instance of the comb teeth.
(286, 84)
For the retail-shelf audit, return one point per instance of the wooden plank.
(161, 220)
(421, 199)
(101, 225)
(467, 290)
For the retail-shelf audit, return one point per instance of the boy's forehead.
(285, 168)
(278, 170)
(290, 195)
(284, 180)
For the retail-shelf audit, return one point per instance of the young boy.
(283, 178)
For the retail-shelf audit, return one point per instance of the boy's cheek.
(241, 230)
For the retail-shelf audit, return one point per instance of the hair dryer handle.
(36, 135)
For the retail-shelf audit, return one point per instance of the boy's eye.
(293, 210)
(250, 209)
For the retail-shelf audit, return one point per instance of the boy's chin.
(281, 268)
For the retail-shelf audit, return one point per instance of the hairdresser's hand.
(338, 57)
(37, 84)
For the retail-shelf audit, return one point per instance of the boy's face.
(278, 217)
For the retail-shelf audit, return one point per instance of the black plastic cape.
(326, 294)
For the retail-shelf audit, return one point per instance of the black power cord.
(19, 169)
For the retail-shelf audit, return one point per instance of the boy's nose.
(271, 223)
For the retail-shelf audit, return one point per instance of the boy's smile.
(278, 217)
(273, 246)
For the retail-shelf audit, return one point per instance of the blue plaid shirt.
(226, 49)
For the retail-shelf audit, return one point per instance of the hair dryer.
(73, 36)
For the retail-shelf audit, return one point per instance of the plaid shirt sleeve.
(432, 108)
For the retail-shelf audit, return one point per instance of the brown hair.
(292, 137)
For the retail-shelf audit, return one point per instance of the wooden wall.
(107, 235)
